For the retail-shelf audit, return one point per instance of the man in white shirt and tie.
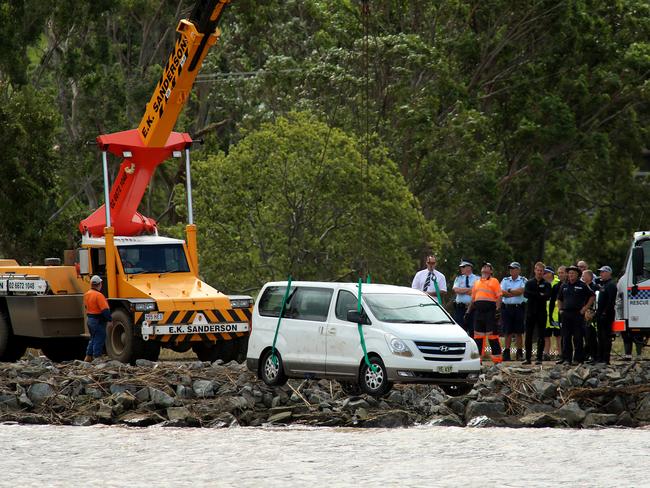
(427, 279)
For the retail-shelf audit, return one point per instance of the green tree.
(296, 197)
(28, 171)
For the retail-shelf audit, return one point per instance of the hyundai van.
(408, 336)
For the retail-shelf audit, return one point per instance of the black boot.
(506, 355)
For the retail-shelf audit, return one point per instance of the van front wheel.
(376, 382)
(271, 369)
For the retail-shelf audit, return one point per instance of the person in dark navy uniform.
(574, 298)
(605, 313)
(537, 291)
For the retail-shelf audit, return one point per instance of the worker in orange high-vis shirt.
(99, 316)
(486, 301)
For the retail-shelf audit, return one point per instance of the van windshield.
(406, 308)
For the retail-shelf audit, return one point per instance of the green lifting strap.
(359, 328)
(435, 284)
(274, 358)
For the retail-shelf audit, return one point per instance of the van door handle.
(331, 330)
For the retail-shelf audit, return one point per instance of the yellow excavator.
(156, 296)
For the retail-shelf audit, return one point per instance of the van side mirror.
(358, 318)
(637, 263)
(84, 260)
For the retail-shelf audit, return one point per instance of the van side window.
(646, 260)
(346, 301)
(310, 304)
(271, 301)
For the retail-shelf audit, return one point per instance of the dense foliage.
(519, 128)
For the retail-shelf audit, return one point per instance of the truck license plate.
(445, 369)
(153, 317)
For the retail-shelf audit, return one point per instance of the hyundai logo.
(443, 349)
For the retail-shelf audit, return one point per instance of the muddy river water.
(49, 456)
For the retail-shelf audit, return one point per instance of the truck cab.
(633, 298)
(158, 301)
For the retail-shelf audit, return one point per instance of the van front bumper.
(406, 375)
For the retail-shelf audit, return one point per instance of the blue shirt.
(461, 282)
(508, 284)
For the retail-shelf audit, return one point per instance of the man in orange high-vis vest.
(486, 300)
(99, 316)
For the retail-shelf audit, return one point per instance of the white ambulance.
(633, 299)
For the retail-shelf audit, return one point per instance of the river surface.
(50, 456)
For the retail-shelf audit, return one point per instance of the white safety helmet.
(95, 280)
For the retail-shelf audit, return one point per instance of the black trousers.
(535, 324)
(591, 340)
(604, 325)
(573, 335)
(466, 322)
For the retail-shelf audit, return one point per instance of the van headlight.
(473, 350)
(398, 347)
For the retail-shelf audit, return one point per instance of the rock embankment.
(200, 394)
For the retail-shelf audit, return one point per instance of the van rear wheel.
(376, 382)
(271, 370)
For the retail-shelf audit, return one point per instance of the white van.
(409, 337)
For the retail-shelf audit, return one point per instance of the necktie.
(466, 281)
(427, 282)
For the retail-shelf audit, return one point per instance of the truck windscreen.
(158, 258)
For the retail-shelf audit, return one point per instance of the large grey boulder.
(545, 389)
(540, 419)
(599, 419)
(8, 401)
(160, 398)
(572, 413)
(643, 410)
(203, 388)
(39, 392)
(394, 418)
(492, 409)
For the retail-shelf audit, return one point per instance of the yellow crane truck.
(153, 287)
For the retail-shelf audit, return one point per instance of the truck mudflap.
(182, 326)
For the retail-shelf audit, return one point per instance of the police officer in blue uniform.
(463, 289)
(574, 298)
(512, 313)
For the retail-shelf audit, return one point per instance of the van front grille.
(441, 349)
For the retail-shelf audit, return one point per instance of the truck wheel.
(122, 344)
(67, 349)
(272, 372)
(374, 383)
(12, 347)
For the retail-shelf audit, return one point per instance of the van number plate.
(153, 317)
(445, 369)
